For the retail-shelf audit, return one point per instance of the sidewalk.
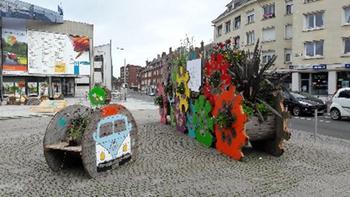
(23, 111)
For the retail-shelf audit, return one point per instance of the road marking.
(321, 120)
(328, 121)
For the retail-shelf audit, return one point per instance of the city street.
(172, 164)
(326, 126)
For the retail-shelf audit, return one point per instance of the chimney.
(170, 50)
(158, 56)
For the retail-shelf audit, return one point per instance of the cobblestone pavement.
(171, 164)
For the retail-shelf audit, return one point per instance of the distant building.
(131, 76)
(103, 69)
(48, 55)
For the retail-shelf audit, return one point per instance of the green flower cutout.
(97, 96)
(203, 122)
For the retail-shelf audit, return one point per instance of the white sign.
(194, 67)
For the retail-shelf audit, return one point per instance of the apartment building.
(311, 38)
(131, 73)
(270, 21)
(321, 48)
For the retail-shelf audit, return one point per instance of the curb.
(28, 116)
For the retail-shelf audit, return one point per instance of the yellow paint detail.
(125, 148)
(183, 77)
(102, 156)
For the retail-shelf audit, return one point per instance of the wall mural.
(51, 53)
(15, 51)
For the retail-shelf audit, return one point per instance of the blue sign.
(347, 65)
(320, 67)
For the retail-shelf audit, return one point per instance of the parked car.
(299, 103)
(340, 106)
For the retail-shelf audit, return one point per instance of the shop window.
(314, 21)
(32, 89)
(305, 82)
(320, 83)
(9, 89)
(343, 79)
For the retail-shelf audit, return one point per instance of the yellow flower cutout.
(182, 77)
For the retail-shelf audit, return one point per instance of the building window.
(287, 55)
(346, 45)
(314, 21)
(219, 31)
(228, 27)
(289, 7)
(288, 31)
(237, 40)
(314, 49)
(269, 11)
(250, 17)
(347, 15)
(237, 22)
(267, 56)
(250, 38)
(269, 34)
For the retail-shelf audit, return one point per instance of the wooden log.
(56, 133)
(257, 130)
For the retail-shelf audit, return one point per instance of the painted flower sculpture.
(216, 75)
(163, 109)
(97, 96)
(189, 121)
(230, 123)
(171, 86)
(182, 90)
(203, 122)
(180, 117)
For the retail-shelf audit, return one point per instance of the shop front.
(321, 80)
(39, 86)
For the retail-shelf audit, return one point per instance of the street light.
(124, 86)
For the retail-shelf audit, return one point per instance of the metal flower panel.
(182, 91)
(203, 122)
(163, 110)
(230, 139)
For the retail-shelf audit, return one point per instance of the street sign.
(347, 65)
(320, 67)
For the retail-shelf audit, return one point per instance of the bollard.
(316, 124)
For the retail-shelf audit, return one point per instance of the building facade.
(132, 74)
(41, 54)
(103, 68)
(311, 38)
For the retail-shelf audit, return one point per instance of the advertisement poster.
(194, 68)
(14, 51)
(51, 53)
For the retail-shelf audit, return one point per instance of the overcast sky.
(144, 28)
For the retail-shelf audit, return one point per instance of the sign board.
(320, 67)
(15, 51)
(194, 68)
(347, 65)
(50, 53)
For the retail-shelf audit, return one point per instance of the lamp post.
(124, 87)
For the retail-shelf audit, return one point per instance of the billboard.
(15, 47)
(50, 53)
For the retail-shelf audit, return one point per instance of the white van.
(340, 106)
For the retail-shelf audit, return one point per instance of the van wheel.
(335, 114)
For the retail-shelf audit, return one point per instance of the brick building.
(132, 76)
